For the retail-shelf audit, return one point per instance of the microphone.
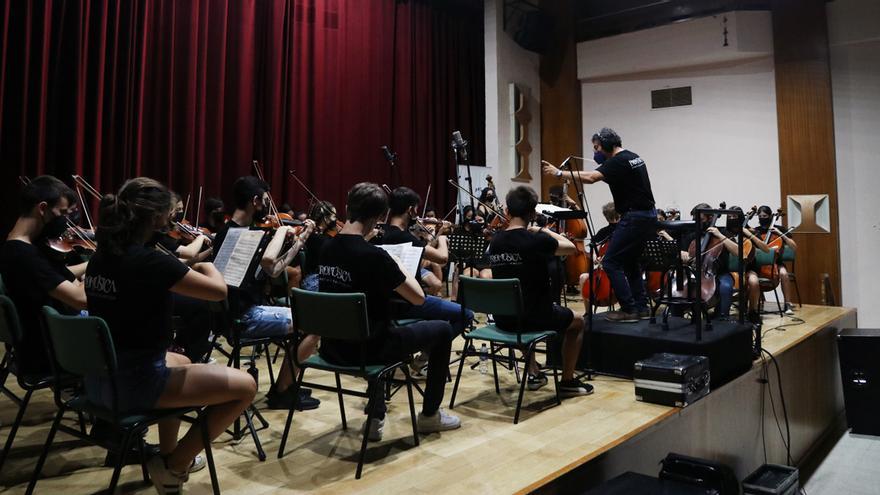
(459, 145)
(389, 155)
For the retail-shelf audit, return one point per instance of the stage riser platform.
(726, 424)
(613, 348)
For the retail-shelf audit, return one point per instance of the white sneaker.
(788, 310)
(165, 481)
(440, 421)
(377, 428)
(198, 464)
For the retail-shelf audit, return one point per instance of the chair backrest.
(765, 259)
(80, 345)
(496, 296)
(2, 286)
(788, 254)
(334, 316)
(10, 326)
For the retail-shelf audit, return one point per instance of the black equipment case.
(671, 379)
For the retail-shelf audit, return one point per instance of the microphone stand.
(456, 150)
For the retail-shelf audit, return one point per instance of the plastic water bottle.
(484, 358)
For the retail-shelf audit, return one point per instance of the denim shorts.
(141, 379)
(266, 321)
(424, 272)
(310, 283)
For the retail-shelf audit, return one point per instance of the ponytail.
(125, 215)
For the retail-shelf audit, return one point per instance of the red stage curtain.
(190, 92)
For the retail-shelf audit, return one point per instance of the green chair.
(342, 317)
(500, 297)
(80, 347)
(11, 335)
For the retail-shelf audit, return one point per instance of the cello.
(600, 285)
(773, 240)
(576, 231)
(710, 249)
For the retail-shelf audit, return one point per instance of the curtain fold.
(191, 92)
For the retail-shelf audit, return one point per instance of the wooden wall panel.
(560, 91)
(806, 131)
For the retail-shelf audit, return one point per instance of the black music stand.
(467, 247)
(659, 255)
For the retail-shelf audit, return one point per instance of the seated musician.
(487, 197)
(602, 235)
(727, 280)
(129, 285)
(34, 275)
(251, 197)
(193, 251)
(403, 205)
(215, 215)
(323, 213)
(351, 264)
(522, 252)
(474, 223)
(765, 224)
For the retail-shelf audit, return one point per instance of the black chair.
(349, 322)
(81, 347)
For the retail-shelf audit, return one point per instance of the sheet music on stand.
(410, 256)
(237, 253)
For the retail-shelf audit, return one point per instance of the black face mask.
(178, 216)
(599, 157)
(765, 222)
(218, 217)
(55, 228)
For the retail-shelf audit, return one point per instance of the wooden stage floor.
(487, 455)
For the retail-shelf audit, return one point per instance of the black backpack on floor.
(700, 472)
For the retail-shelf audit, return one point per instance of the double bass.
(575, 230)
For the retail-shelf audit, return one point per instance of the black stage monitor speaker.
(859, 349)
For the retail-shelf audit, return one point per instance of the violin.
(74, 237)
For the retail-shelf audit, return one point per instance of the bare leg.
(306, 348)
(294, 276)
(169, 428)
(226, 392)
(785, 283)
(433, 283)
(571, 346)
(486, 273)
(754, 291)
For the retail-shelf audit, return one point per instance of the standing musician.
(33, 276)
(765, 226)
(523, 252)
(351, 264)
(261, 320)
(627, 176)
(403, 205)
(129, 285)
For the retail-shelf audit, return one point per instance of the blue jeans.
(725, 294)
(310, 282)
(621, 262)
(435, 308)
(141, 380)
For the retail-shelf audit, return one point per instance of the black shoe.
(622, 317)
(132, 457)
(286, 400)
(574, 388)
(535, 382)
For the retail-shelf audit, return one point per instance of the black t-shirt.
(169, 243)
(395, 235)
(627, 176)
(348, 263)
(518, 253)
(604, 233)
(314, 245)
(131, 293)
(29, 276)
